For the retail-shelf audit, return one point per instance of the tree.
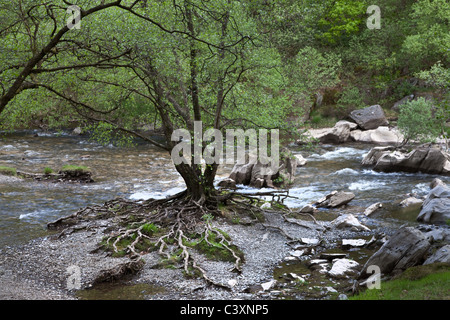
(184, 62)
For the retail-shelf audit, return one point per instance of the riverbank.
(275, 267)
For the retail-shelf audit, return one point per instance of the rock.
(268, 285)
(396, 106)
(317, 261)
(369, 118)
(342, 296)
(406, 248)
(242, 173)
(371, 209)
(297, 253)
(440, 234)
(436, 207)
(436, 182)
(426, 160)
(308, 209)
(338, 134)
(310, 241)
(343, 267)
(381, 135)
(335, 199)
(227, 183)
(232, 282)
(266, 205)
(332, 256)
(348, 221)
(410, 201)
(441, 255)
(300, 160)
(353, 242)
(297, 278)
(77, 131)
(351, 125)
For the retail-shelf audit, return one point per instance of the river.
(144, 171)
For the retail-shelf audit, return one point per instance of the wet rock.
(372, 208)
(441, 255)
(410, 201)
(369, 118)
(353, 243)
(436, 182)
(227, 183)
(342, 268)
(335, 199)
(332, 256)
(308, 209)
(406, 248)
(348, 221)
(300, 160)
(435, 208)
(426, 160)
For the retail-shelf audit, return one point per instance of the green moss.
(7, 171)
(150, 229)
(215, 250)
(428, 282)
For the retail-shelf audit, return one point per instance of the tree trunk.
(199, 185)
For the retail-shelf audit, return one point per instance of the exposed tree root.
(176, 227)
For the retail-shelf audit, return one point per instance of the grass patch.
(7, 171)
(48, 170)
(72, 168)
(428, 282)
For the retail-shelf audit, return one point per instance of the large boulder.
(340, 133)
(369, 118)
(436, 207)
(242, 173)
(259, 175)
(381, 135)
(406, 248)
(426, 160)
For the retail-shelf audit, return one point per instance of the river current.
(144, 171)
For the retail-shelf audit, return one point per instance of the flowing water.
(144, 171)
